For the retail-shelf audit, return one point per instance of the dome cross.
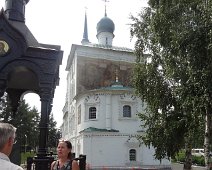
(106, 7)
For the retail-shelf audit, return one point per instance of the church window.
(79, 114)
(132, 155)
(92, 113)
(126, 111)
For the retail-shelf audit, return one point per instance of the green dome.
(105, 25)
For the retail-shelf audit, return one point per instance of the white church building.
(100, 112)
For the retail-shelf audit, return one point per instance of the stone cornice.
(104, 92)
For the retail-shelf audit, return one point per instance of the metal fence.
(31, 162)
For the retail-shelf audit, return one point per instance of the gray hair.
(6, 131)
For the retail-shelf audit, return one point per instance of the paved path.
(177, 166)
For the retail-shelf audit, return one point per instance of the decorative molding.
(131, 100)
(46, 94)
(132, 142)
(92, 99)
(128, 97)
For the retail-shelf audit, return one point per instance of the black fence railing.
(33, 161)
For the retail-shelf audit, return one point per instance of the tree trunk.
(188, 157)
(207, 139)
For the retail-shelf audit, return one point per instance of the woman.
(64, 161)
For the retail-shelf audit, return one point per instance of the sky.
(61, 22)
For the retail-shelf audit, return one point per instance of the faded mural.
(94, 76)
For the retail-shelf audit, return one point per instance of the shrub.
(180, 157)
(24, 156)
(198, 160)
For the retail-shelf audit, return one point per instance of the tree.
(5, 109)
(175, 78)
(26, 120)
(3, 103)
(54, 133)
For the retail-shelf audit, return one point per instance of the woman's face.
(63, 150)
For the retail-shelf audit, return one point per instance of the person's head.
(64, 149)
(7, 137)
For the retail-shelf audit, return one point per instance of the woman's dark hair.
(68, 143)
(69, 146)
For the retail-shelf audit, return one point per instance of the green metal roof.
(92, 129)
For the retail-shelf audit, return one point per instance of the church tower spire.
(85, 34)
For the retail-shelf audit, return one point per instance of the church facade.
(100, 112)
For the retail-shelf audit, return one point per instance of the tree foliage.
(54, 133)
(174, 79)
(27, 120)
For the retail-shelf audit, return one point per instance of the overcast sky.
(61, 22)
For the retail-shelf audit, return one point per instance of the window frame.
(132, 156)
(92, 112)
(130, 100)
(127, 108)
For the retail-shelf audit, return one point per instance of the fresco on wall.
(95, 76)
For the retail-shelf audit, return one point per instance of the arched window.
(126, 111)
(132, 155)
(92, 113)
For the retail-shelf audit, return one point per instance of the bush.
(198, 160)
(24, 156)
(180, 157)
